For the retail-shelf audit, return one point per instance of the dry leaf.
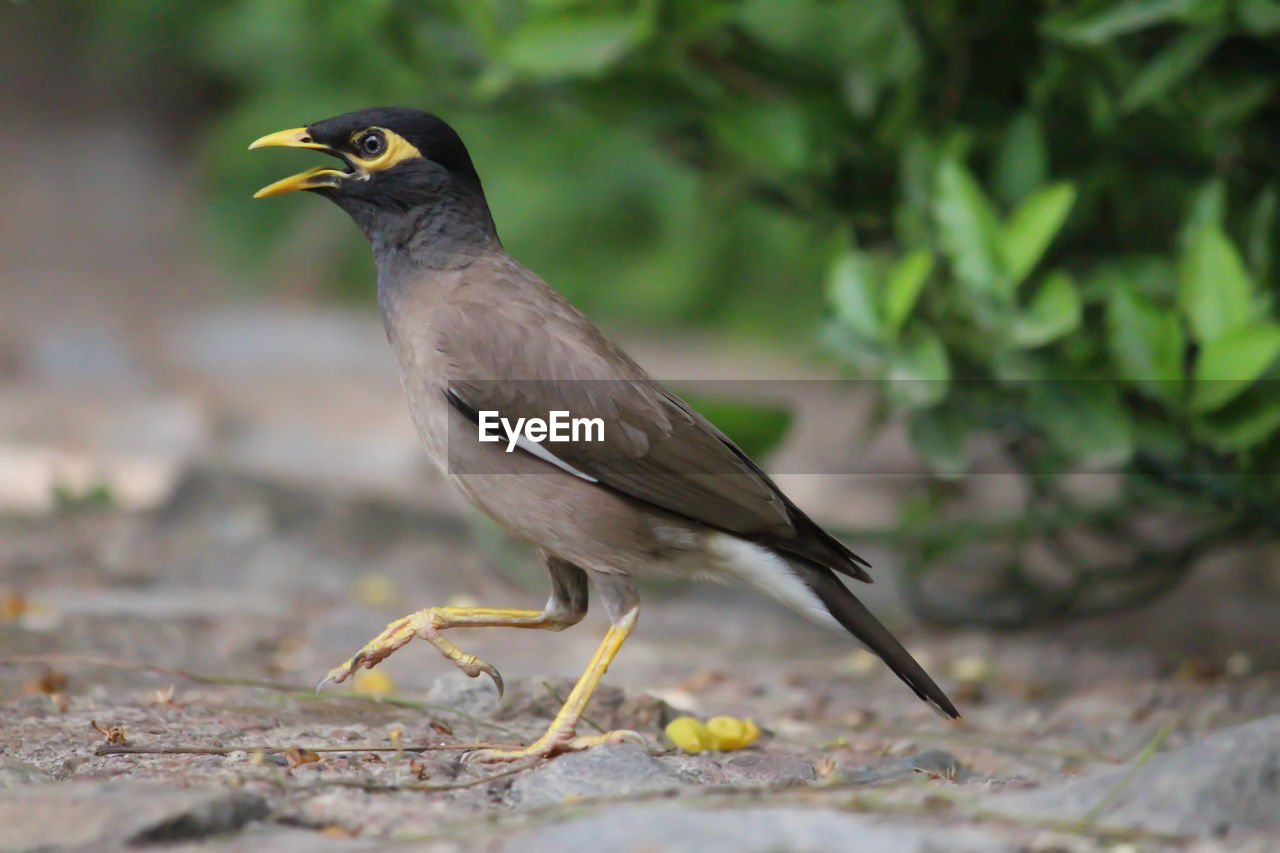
(419, 769)
(13, 605)
(60, 701)
(441, 728)
(49, 681)
(397, 741)
(297, 756)
(164, 697)
(114, 734)
(825, 766)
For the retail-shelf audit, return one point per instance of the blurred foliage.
(1051, 223)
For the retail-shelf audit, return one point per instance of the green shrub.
(1056, 218)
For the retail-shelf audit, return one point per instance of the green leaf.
(769, 136)
(1259, 17)
(967, 226)
(1147, 344)
(851, 288)
(1261, 230)
(1054, 312)
(1170, 67)
(569, 45)
(1208, 206)
(1214, 291)
(1022, 161)
(1094, 24)
(1084, 418)
(755, 427)
(918, 372)
(903, 284)
(938, 435)
(1229, 364)
(1247, 422)
(1033, 226)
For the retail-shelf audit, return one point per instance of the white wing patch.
(545, 455)
(767, 572)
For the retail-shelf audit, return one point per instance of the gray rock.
(97, 815)
(606, 771)
(1227, 783)
(84, 355)
(769, 769)
(930, 761)
(672, 826)
(475, 696)
(14, 773)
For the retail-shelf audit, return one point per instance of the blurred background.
(1022, 251)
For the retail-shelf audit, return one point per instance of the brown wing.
(517, 347)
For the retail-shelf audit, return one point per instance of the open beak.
(320, 177)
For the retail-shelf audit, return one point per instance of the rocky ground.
(178, 568)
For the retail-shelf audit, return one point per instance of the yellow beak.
(312, 179)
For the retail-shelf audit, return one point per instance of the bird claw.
(398, 634)
(488, 669)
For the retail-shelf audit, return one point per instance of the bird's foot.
(425, 624)
(555, 743)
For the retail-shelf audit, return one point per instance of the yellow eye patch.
(396, 149)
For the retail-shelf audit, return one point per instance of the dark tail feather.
(854, 616)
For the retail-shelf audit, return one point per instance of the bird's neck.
(449, 231)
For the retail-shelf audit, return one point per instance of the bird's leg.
(566, 606)
(429, 623)
(562, 736)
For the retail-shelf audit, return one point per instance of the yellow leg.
(560, 736)
(428, 624)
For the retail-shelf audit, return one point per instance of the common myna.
(655, 488)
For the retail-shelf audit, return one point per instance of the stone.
(672, 826)
(606, 771)
(933, 762)
(97, 815)
(14, 773)
(475, 696)
(1227, 783)
(769, 769)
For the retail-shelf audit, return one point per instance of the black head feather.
(429, 133)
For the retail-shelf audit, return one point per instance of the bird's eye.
(372, 144)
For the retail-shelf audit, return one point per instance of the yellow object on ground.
(722, 734)
(731, 733)
(375, 684)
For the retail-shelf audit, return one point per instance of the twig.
(296, 691)
(272, 750)
(1119, 788)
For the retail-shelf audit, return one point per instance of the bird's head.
(396, 163)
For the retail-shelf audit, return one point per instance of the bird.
(477, 337)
